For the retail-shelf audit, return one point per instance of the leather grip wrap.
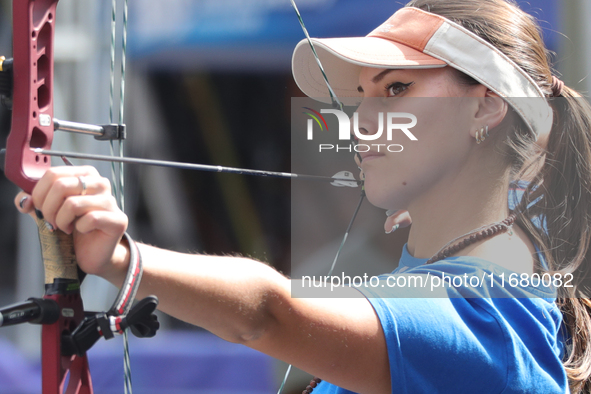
(59, 258)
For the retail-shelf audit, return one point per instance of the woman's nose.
(367, 126)
(360, 131)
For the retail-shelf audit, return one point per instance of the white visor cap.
(413, 38)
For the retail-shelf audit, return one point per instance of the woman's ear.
(491, 111)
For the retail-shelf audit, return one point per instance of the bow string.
(118, 181)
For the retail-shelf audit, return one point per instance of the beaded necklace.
(463, 241)
(313, 383)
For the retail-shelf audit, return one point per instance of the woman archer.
(483, 62)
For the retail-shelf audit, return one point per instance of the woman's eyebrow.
(377, 78)
(381, 75)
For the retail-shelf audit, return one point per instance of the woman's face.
(445, 111)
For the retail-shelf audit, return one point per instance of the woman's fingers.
(24, 203)
(109, 222)
(62, 180)
(55, 189)
(74, 208)
(71, 197)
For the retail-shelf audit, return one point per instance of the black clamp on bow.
(141, 320)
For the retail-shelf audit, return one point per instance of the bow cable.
(335, 100)
(119, 181)
(126, 362)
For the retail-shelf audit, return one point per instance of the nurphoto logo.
(394, 121)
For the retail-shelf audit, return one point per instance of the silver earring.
(481, 134)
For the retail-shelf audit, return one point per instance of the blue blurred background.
(208, 81)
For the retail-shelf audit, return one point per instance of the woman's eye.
(396, 88)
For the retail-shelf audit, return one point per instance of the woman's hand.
(78, 201)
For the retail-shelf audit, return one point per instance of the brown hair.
(559, 194)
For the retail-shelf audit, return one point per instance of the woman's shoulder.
(452, 342)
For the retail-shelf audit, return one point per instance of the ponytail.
(560, 199)
(566, 209)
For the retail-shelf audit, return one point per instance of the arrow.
(342, 179)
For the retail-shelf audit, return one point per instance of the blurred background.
(208, 81)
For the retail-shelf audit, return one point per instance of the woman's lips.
(365, 156)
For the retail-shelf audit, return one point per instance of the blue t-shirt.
(484, 336)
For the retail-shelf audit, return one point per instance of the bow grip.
(32, 108)
(59, 257)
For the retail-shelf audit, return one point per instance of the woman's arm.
(339, 339)
(244, 301)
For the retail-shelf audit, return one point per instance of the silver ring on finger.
(83, 184)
